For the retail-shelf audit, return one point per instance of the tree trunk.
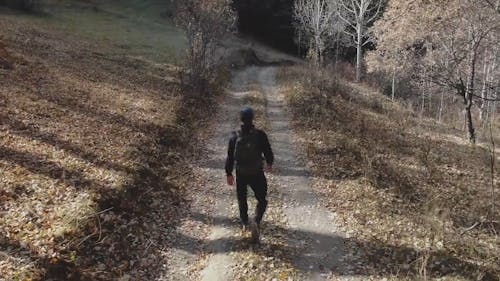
(300, 42)
(422, 108)
(441, 104)
(493, 109)
(469, 93)
(483, 110)
(359, 50)
(430, 97)
(468, 118)
(491, 105)
(318, 50)
(337, 43)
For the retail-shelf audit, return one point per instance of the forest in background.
(402, 170)
(430, 55)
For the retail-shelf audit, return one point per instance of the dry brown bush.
(6, 60)
(205, 23)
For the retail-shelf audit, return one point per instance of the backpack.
(247, 153)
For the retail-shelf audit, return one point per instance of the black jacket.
(264, 146)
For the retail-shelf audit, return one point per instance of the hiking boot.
(244, 226)
(255, 230)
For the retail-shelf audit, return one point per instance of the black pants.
(258, 183)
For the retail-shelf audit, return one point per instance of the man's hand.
(269, 168)
(230, 180)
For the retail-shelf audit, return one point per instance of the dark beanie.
(246, 115)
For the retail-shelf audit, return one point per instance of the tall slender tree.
(316, 22)
(357, 15)
(445, 38)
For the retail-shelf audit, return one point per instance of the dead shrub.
(427, 159)
(205, 23)
(346, 71)
(6, 60)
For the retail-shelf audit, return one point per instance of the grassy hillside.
(414, 196)
(92, 126)
(136, 28)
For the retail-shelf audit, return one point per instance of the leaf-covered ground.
(413, 194)
(93, 150)
(272, 259)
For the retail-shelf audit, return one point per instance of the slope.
(418, 199)
(92, 143)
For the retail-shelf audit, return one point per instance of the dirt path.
(300, 239)
(208, 226)
(317, 234)
(222, 237)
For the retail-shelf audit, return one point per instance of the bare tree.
(447, 40)
(456, 54)
(489, 74)
(316, 21)
(205, 23)
(357, 15)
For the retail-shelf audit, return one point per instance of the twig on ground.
(469, 228)
(150, 243)
(86, 238)
(98, 213)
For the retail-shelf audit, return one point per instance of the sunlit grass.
(133, 27)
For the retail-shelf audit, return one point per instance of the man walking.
(248, 148)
